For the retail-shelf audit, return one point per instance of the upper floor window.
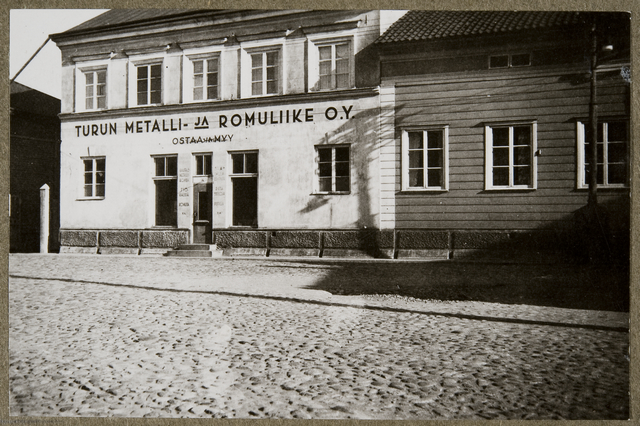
(425, 159)
(149, 84)
(334, 66)
(510, 156)
(94, 177)
(95, 89)
(333, 169)
(613, 154)
(205, 79)
(264, 73)
(508, 61)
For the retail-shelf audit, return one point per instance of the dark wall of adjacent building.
(34, 161)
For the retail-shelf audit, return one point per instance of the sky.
(28, 29)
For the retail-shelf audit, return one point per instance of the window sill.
(263, 96)
(202, 101)
(604, 188)
(422, 190)
(90, 198)
(147, 105)
(334, 89)
(332, 193)
(94, 109)
(509, 189)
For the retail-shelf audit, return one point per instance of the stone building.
(199, 126)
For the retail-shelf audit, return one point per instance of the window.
(245, 163)
(166, 167)
(166, 183)
(244, 188)
(94, 177)
(425, 159)
(203, 164)
(95, 89)
(205, 79)
(508, 61)
(264, 73)
(333, 169)
(613, 151)
(335, 69)
(149, 80)
(510, 161)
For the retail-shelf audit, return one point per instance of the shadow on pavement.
(328, 303)
(592, 287)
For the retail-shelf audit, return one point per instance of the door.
(244, 180)
(166, 202)
(202, 203)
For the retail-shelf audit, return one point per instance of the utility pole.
(593, 123)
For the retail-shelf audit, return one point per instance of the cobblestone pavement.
(158, 337)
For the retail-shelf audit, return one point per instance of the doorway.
(244, 179)
(202, 213)
(166, 183)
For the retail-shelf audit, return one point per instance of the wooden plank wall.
(554, 98)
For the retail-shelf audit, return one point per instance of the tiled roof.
(420, 25)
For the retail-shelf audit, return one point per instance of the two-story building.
(180, 125)
(310, 133)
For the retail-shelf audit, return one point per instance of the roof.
(27, 99)
(421, 25)
(126, 17)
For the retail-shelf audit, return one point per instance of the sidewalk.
(486, 292)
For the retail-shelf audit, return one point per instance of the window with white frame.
(205, 78)
(95, 89)
(613, 154)
(425, 159)
(334, 169)
(149, 84)
(265, 71)
(334, 66)
(94, 177)
(510, 156)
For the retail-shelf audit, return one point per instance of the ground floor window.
(244, 186)
(509, 154)
(333, 169)
(613, 154)
(166, 187)
(425, 159)
(94, 177)
(203, 164)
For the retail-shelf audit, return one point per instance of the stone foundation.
(147, 241)
(502, 246)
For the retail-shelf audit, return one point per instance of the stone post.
(44, 218)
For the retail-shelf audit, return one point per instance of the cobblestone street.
(158, 337)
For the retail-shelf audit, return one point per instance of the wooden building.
(484, 118)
